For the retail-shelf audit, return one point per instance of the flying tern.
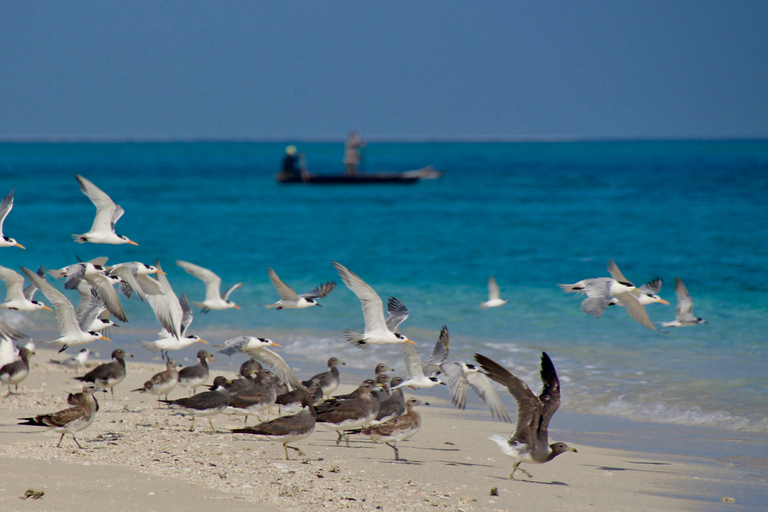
(376, 329)
(5, 207)
(494, 295)
(289, 299)
(685, 316)
(213, 297)
(107, 214)
(71, 333)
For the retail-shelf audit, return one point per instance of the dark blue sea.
(532, 214)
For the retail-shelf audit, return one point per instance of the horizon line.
(77, 139)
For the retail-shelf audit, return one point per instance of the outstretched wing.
(321, 291)
(529, 406)
(396, 313)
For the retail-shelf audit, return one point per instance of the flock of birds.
(377, 408)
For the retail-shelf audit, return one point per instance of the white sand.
(140, 456)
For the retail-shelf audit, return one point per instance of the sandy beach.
(140, 455)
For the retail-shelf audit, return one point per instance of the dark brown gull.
(529, 443)
(108, 375)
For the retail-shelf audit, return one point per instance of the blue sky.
(391, 70)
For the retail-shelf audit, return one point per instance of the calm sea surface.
(531, 214)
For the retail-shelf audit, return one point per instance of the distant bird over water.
(213, 297)
(685, 316)
(529, 443)
(617, 289)
(107, 214)
(494, 295)
(5, 208)
(289, 299)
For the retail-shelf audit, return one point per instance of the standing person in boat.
(352, 152)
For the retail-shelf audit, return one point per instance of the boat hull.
(343, 179)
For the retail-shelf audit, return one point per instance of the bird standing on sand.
(107, 214)
(74, 419)
(5, 208)
(163, 382)
(258, 398)
(529, 443)
(257, 348)
(108, 375)
(191, 377)
(357, 410)
(207, 403)
(494, 295)
(376, 331)
(396, 429)
(685, 316)
(329, 380)
(289, 299)
(393, 405)
(287, 429)
(213, 297)
(17, 371)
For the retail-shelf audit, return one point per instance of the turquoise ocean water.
(531, 214)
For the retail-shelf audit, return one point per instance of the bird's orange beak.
(409, 341)
(17, 244)
(203, 342)
(132, 242)
(104, 338)
(662, 301)
(276, 344)
(46, 307)
(236, 306)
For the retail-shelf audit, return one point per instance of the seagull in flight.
(494, 298)
(289, 299)
(376, 330)
(213, 297)
(5, 207)
(107, 214)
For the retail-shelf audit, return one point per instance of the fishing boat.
(361, 178)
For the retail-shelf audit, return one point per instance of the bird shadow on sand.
(638, 469)
(532, 482)
(467, 464)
